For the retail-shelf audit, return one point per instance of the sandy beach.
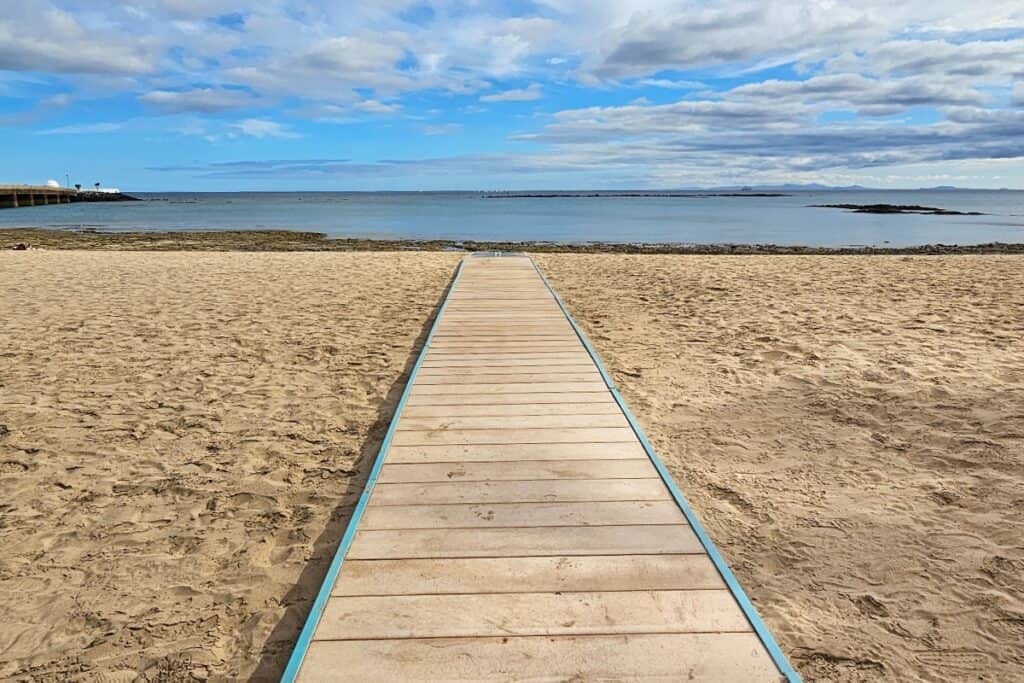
(184, 438)
(851, 431)
(184, 435)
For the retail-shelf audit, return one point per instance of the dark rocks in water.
(284, 240)
(86, 196)
(897, 208)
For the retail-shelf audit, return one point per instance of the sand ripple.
(182, 434)
(850, 429)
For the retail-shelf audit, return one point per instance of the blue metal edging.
(723, 569)
(306, 636)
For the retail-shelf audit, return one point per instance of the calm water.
(453, 215)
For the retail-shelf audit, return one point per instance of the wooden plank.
(473, 363)
(504, 360)
(501, 317)
(546, 308)
(557, 491)
(519, 313)
(490, 453)
(500, 349)
(508, 333)
(433, 371)
(612, 419)
(504, 316)
(530, 614)
(505, 388)
(527, 574)
(505, 436)
(499, 298)
(514, 410)
(590, 397)
(394, 544)
(541, 301)
(535, 378)
(466, 338)
(466, 323)
(711, 658)
(516, 313)
(514, 330)
(482, 352)
(505, 338)
(512, 336)
(630, 468)
(521, 514)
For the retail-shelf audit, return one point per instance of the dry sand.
(182, 437)
(186, 431)
(851, 431)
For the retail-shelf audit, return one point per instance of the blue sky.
(289, 94)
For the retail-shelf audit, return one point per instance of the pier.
(16, 196)
(517, 524)
(19, 196)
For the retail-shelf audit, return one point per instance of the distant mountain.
(798, 187)
(819, 187)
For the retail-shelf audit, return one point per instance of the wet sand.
(851, 432)
(286, 240)
(184, 435)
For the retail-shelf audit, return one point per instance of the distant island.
(598, 193)
(897, 208)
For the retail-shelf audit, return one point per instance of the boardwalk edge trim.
(774, 651)
(320, 603)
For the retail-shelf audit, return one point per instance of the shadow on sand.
(279, 644)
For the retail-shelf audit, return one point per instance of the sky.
(511, 94)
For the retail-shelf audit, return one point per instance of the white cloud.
(263, 128)
(83, 129)
(200, 100)
(355, 55)
(442, 129)
(669, 84)
(691, 37)
(533, 92)
(1017, 98)
(59, 100)
(377, 107)
(36, 37)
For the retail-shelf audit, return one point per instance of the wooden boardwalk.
(516, 526)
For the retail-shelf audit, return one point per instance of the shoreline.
(283, 240)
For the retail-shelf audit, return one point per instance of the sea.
(662, 218)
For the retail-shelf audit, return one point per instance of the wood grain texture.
(371, 544)
(531, 614)
(540, 491)
(520, 514)
(527, 574)
(518, 530)
(518, 471)
(515, 452)
(709, 658)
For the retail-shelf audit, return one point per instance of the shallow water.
(456, 215)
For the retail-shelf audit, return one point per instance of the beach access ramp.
(517, 525)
